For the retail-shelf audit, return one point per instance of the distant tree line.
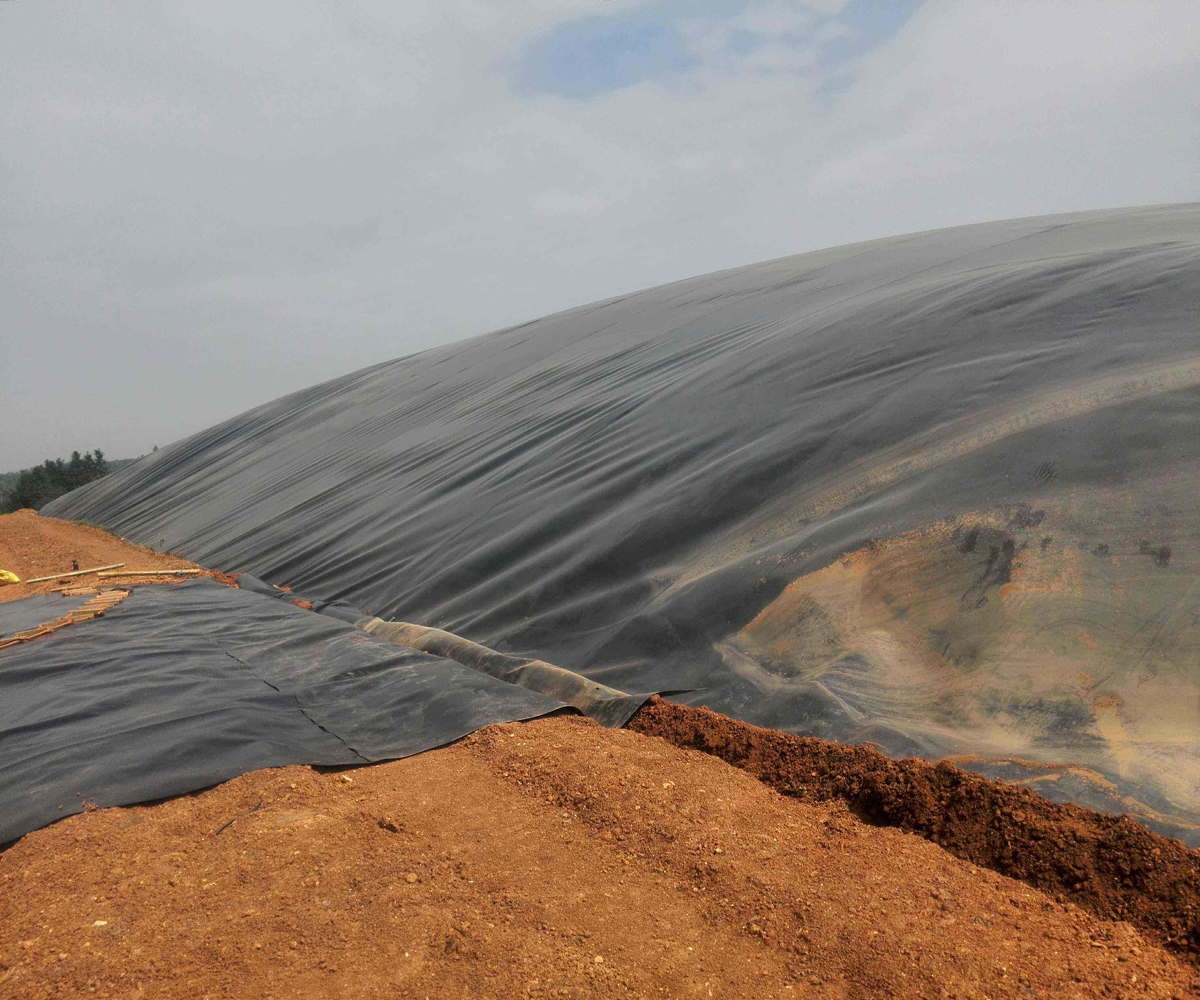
(36, 487)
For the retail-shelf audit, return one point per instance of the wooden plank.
(84, 613)
(78, 572)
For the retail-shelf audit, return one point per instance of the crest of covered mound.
(935, 492)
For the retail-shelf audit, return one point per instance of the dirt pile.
(550, 859)
(1111, 865)
(33, 546)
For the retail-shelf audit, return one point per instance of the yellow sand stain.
(1054, 571)
(908, 631)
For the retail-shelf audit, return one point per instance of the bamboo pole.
(78, 572)
(153, 572)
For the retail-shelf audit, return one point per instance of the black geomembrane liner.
(935, 492)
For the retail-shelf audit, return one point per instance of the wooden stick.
(78, 572)
(154, 572)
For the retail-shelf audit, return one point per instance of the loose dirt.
(1111, 865)
(549, 859)
(33, 546)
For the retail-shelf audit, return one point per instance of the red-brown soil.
(549, 859)
(33, 546)
(1110, 865)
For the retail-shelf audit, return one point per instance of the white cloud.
(984, 112)
(220, 202)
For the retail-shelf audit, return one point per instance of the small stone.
(345, 779)
(411, 878)
(99, 923)
(599, 959)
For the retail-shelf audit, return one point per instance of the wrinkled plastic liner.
(935, 492)
(185, 686)
(17, 616)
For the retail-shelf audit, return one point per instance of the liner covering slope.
(934, 492)
(182, 687)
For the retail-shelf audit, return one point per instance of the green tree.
(37, 486)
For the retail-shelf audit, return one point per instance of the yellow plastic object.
(6, 577)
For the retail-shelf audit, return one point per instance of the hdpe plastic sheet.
(17, 616)
(180, 687)
(606, 705)
(936, 492)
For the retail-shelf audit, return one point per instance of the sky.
(204, 206)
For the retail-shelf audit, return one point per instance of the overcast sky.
(206, 205)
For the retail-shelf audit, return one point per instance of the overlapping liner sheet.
(937, 492)
(17, 616)
(181, 687)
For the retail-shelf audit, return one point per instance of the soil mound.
(1110, 865)
(548, 859)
